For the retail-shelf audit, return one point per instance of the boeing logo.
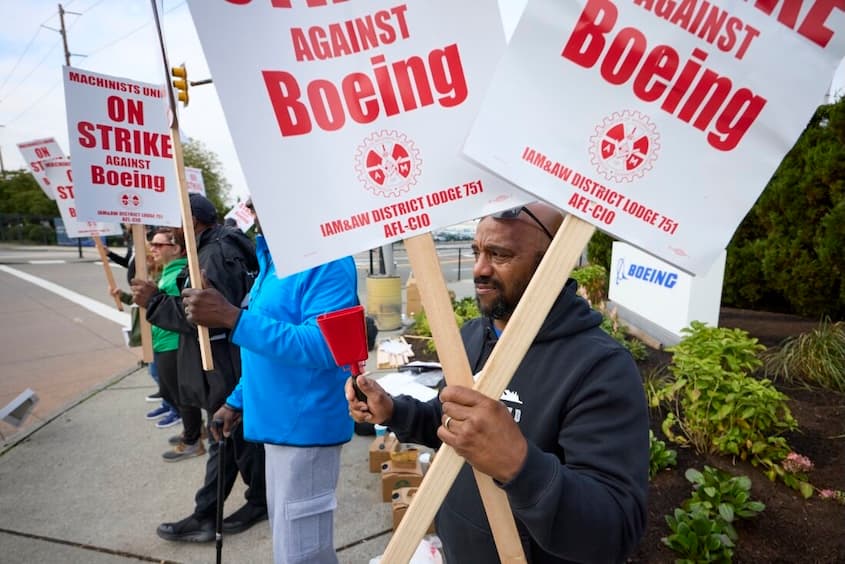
(620, 271)
(646, 274)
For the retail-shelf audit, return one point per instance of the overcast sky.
(118, 38)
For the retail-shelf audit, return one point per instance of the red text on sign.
(287, 3)
(123, 140)
(711, 105)
(398, 87)
(351, 36)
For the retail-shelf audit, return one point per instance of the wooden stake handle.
(190, 241)
(104, 258)
(522, 328)
(450, 350)
(139, 240)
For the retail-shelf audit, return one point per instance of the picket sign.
(184, 200)
(529, 315)
(438, 309)
(139, 239)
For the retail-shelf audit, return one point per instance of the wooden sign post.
(535, 304)
(184, 200)
(139, 239)
(104, 258)
(456, 369)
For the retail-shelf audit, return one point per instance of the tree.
(20, 194)
(788, 253)
(217, 188)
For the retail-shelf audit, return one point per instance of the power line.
(25, 51)
(42, 61)
(92, 53)
(35, 68)
(33, 104)
(130, 33)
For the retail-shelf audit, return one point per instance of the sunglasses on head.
(513, 213)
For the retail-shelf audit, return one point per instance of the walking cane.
(221, 451)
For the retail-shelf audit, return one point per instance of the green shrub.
(697, 538)
(619, 331)
(816, 358)
(600, 249)
(465, 309)
(654, 381)
(38, 233)
(660, 457)
(593, 280)
(702, 528)
(721, 408)
(787, 254)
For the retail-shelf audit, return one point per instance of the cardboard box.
(393, 478)
(401, 499)
(380, 450)
(405, 457)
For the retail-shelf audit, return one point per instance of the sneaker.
(183, 451)
(160, 411)
(153, 397)
(176, 439)
(169, 420)
(244, 518)
(189, 529)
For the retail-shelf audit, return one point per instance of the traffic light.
(180, 82)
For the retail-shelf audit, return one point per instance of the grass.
(815, 358)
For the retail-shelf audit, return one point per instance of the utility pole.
(63, 32)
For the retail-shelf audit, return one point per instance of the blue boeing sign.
(652, 293)
(648, 274)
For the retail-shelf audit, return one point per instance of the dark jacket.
(578, 399)
(228, 259)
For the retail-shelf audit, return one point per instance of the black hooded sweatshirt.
(578, 399)
(228, 259)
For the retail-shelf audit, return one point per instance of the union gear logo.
(387, 163)
(624, 146)
(129, 200)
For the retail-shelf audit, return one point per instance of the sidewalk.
(89, 486)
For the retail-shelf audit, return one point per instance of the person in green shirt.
(168, 250)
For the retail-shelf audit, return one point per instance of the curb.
(18, 438)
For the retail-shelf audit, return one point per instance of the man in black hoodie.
(568, 441)
(228, 262)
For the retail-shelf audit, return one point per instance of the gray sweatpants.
(301, 500)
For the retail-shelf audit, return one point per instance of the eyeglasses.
(157, 245)
(513, 213)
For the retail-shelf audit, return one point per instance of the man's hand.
(483, 431)
(208, 307)
(229, 417)
(379, 405)
(142, 291)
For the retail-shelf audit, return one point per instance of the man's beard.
(499, 309)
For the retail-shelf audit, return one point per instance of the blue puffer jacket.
(291, 390)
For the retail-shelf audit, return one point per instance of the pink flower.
(827, 494)
(795, 463)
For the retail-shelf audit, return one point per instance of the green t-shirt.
(164, 340)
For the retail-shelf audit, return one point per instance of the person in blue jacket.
(290, 396)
